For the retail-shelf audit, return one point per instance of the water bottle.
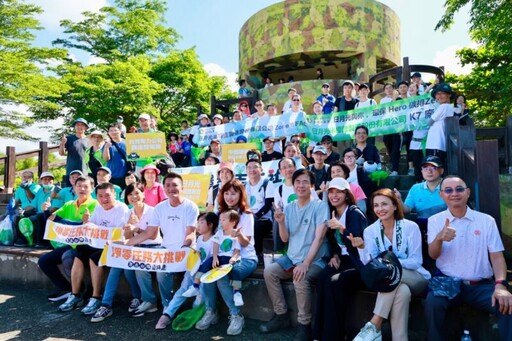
(465, 336)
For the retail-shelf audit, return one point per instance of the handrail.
(28, 154)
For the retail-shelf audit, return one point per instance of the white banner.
(86, 234)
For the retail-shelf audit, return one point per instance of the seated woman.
(340, 170)
(340, 279)
(367, 151)
(401, 236)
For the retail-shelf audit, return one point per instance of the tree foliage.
(22, 77)
(488, 86)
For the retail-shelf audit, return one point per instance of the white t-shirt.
(173, 221)
(115, 217)
(287, 197)
(416, 136)
(436, 138)
(204, 247)
(227, 244)
(467, 255)
(143, 223)
(257, 195)
(247, 228)
(368, 103)
(386, 100)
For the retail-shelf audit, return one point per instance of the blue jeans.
(112, 282)
(240, 271)
(165, 286)
(178, 299)
(479, 296)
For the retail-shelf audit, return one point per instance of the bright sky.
(212, 27)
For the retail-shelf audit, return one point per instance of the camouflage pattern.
(354, 38)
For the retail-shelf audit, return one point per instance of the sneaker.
(303, 332)
(393, 173)
(144, 307)
(236, 324)
(134, 304)
(91, 307)
(61, 295)
(71, 303)
(198, 301)
(101, 314)
(277, 322)
(411, 171)
(20, 242)
(191, 292)
(207, 320)
(163, 322)
(369, 333)
(237, 298)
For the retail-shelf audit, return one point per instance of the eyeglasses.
(458, 189)
(349, 157)
(429, 168)
(253, 157)
(257, 105)
(295, 141)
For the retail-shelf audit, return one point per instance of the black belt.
(415, 139)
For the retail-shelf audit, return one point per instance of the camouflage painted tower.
(347, 39)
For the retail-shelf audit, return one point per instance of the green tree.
(488, 86)
(22, 66)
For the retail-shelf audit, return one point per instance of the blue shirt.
(67, 194)
(117, 163)
(21, 196)
(425, 202)
(329, 105)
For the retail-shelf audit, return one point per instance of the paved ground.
(25, 314)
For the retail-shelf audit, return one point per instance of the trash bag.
(188, 318)
(6, 233)
(27, 228)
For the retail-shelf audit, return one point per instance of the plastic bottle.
(466, 336)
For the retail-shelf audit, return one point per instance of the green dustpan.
(26, 229)
(188, 318)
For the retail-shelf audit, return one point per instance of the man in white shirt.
(436, 136)
(469, 256)
(177, 219)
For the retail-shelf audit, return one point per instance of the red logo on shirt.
(477, 232)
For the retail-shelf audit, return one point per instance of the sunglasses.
(253, 157)
(458, 189)
(295, 141)
(296, 100)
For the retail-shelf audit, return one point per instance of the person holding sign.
(232, 196)
(176, 219)
(302, 225)
(109, 213)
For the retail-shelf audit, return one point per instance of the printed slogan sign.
(86, 234)
(195, 187)
(237, 152)
(145, 145)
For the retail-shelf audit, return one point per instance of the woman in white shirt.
(401, 236)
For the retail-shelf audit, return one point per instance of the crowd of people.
(327, 215)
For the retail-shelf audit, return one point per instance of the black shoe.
(42, 246)
(20, 242)
(260, 260)
(277, 322)
(303, 332)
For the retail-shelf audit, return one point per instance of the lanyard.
(398, 229)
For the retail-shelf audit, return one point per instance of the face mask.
(48, 187)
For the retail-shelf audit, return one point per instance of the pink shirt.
(154, 195)
(357, 191)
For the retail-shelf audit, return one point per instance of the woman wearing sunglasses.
(401, 236)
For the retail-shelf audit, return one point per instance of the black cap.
(363, 86)
(416, 74)
(326, 138)
(432, 160)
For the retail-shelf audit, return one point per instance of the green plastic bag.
(26, 229)
(187, 319)
(6, 235)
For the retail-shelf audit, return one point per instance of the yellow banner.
(86, 234)
(237, 152)
(172, 259)
(195, 188)
(144, 145)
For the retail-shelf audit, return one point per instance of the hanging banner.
(394, 117)
(86, 234)
(171, 259)
(195, 188)
(237, 152)
(145, 145)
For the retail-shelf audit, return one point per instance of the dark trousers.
(48, 263)
(262, 228)
(392, 143)
(417, 158)
(478, 296)
(335, 290)
(406, 142)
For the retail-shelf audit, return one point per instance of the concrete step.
(18, 266)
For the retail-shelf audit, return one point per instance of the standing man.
(175, 219)
(326, 99)
(436, 137)
(120, 120)
(346, 102)
(114, 152)
(74, 147)
(243, 91)
(416, 79)
(302, 226)
(468, 250)
(270, 153)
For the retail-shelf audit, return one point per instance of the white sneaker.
(134, 304)
(191, 292)
(236, 324)
(207, 320)
(410, 172)
(237, 298)
(369, 333)
(91, 307)
(393, 173)
(144, 307)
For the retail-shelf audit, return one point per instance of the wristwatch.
(502, 282)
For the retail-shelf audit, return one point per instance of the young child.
(226, 250)
(206, 225)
